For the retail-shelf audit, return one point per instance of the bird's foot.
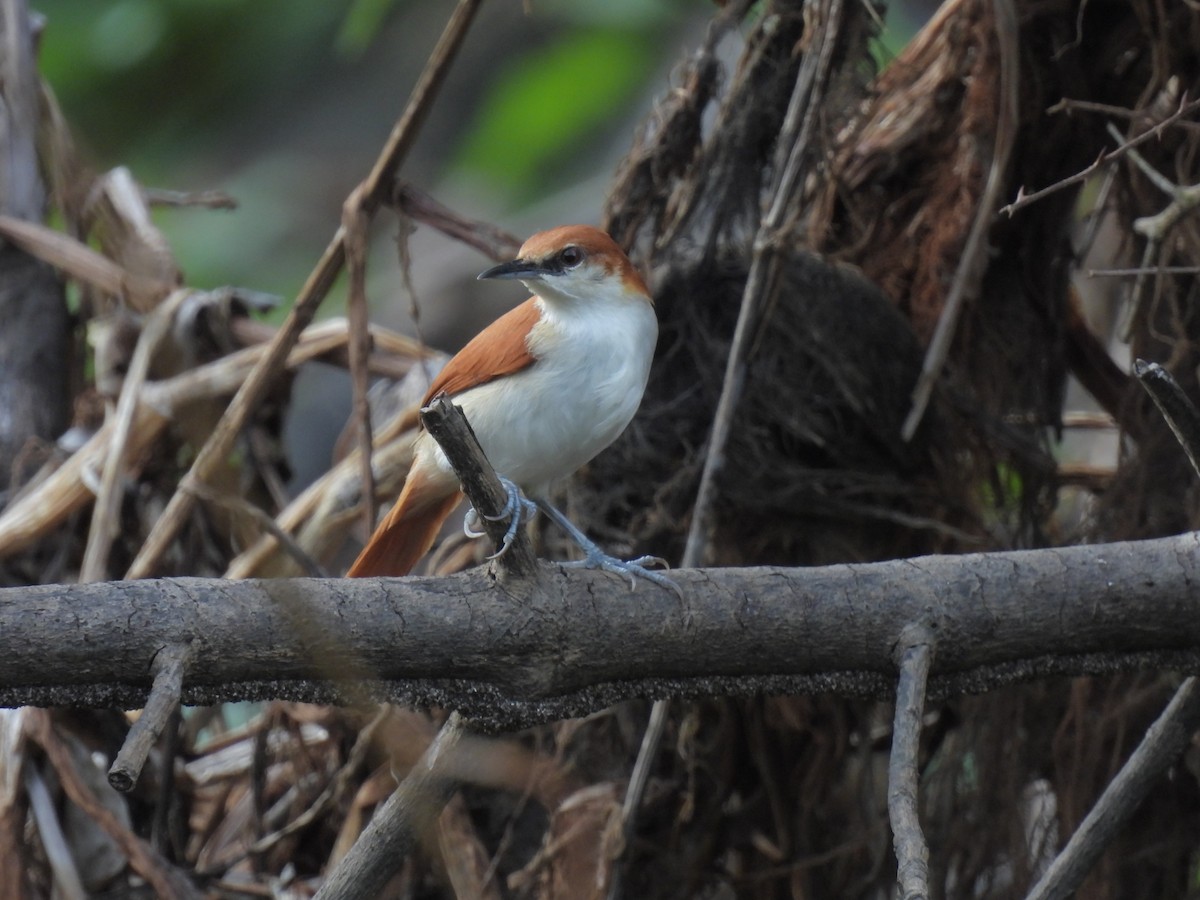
(595, 558)
(633, 569)
(517, 509)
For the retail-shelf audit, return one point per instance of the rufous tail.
(409, 529)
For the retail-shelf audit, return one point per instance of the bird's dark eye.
(571, 256)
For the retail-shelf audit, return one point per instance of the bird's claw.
(517, 509)
(471, 524)
(633, 569)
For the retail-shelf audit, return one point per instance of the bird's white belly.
(545, 422)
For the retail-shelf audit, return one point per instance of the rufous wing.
(409, 529)
(500, 349)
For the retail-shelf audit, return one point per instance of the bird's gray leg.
(595, 558)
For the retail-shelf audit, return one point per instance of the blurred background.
(284, 104)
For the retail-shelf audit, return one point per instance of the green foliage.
(1005, 492)
(547, 103)
(362, 24)
(282, 103)
(151, 83)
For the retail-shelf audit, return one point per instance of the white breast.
(545, 422)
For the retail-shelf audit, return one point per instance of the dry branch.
(913, 656)
(1185, 107)
(449, 427)
(488, 239)
(372, 193)
(399, 824)
(1165, 740)
(1175, 405)
(570, 642)
(169, 668)
(45, 505)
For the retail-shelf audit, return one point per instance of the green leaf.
(548, 101)
(360, 26)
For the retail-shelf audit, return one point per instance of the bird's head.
(574, 263)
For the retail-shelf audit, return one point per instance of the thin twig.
(1155, 177)
(1165, 740)
(170, 665)
(355, 224)
(243, 507)
(913, 655)
(449, 427)
(640, 775)
(490, 240)
(1106, 156)
(1174, 405)
(217, 448)
(1068, 106)
(973, 261)
(1157, 270)
(207, 199)
(103, 528)
(397, 825)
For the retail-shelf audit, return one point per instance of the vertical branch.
(974, 255)
(398, 824)
(448, 426)
(913, 655)
(791, 144)
(34, 339)
(250, 394)
(354, 224)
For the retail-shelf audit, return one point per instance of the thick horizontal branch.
(565, 643)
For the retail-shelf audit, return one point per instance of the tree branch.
(450, 428)
(399, 824)
(1176, 407)
(1164, 742)
(1185, 107)
(968, 275)
(169, 668)
(573, 641)
(913, 656)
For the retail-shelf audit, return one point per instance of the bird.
(545, 387)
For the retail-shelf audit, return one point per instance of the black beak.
(517, 268)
